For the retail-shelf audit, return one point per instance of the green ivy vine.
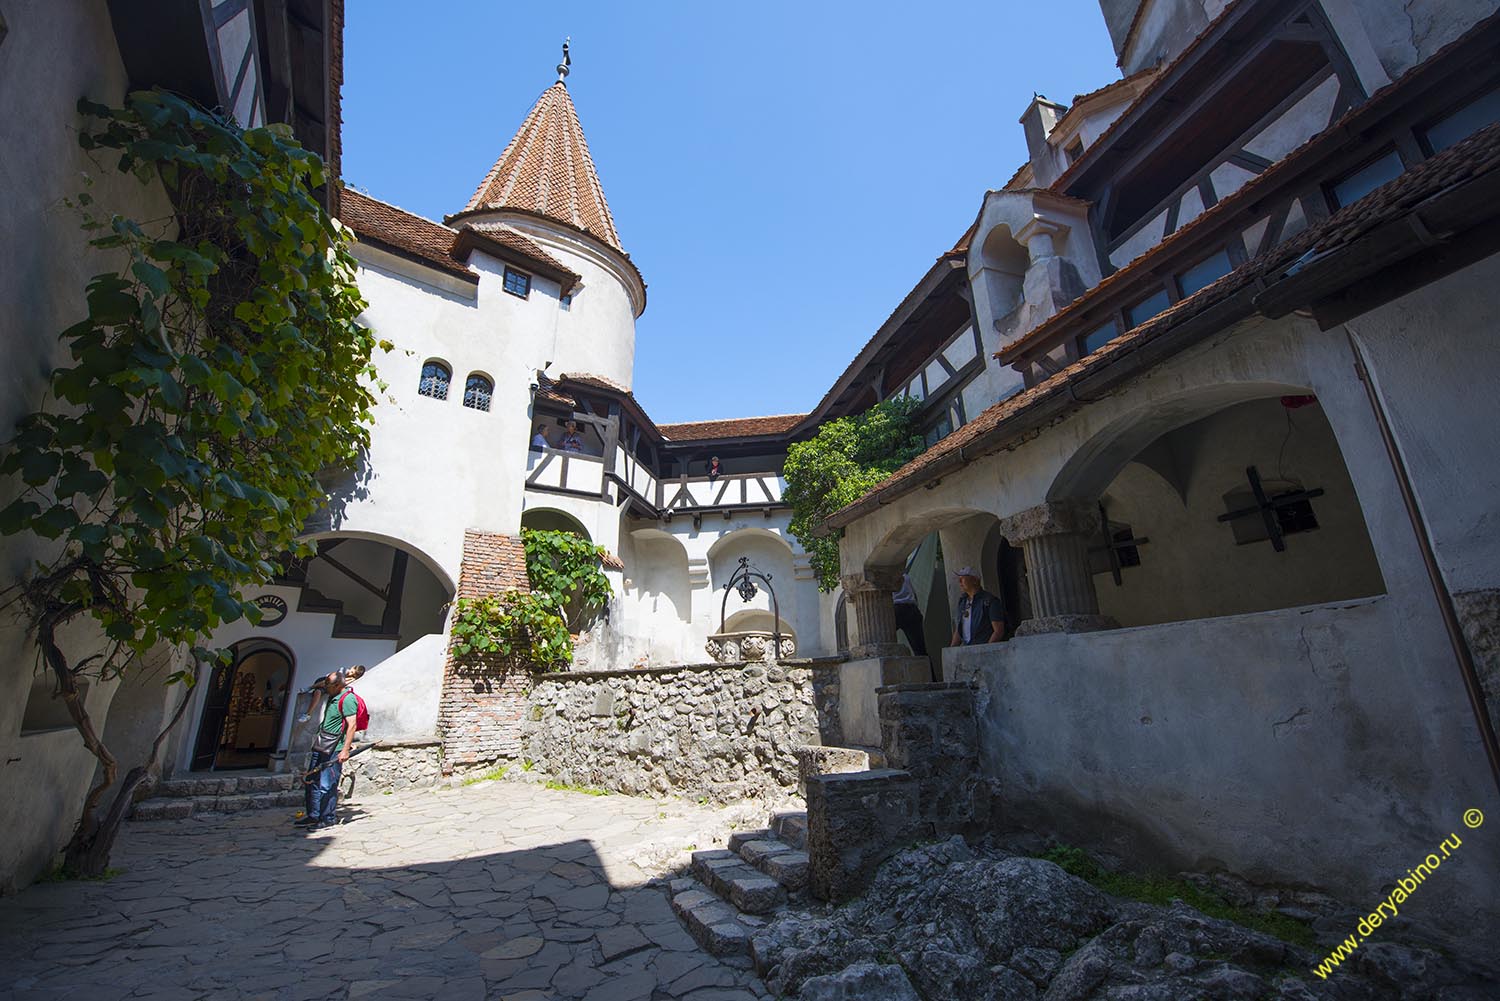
(565, 567)
(213, 375)
(845, 460)
(516, 628)
(532, 628)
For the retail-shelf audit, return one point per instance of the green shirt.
(333, 718)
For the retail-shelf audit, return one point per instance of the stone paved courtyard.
(496, 890)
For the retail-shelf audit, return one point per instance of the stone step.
(777, 859)
(744, 886)
(714, 924)
(225, 785)
(179, 807)
(791, 826)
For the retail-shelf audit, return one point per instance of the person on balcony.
(713, 469)
(539, 440)
(572, 441)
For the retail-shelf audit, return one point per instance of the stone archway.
(1220, 500)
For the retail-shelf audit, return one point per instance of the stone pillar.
(1056, 537)
(871, 594)
(929, 731)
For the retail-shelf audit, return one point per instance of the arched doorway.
(546, 519)
(244, 708)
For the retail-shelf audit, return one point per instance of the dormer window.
(1074, 150)
(517, 283)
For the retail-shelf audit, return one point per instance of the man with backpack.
(344, 715)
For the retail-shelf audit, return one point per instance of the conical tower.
(545, 186)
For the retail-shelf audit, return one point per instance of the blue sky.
(782, 174)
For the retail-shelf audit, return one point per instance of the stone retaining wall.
(397, 766)
(724, 731)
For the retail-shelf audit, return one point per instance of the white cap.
(965, 572)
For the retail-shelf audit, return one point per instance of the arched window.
(435, 379)
(477, 392)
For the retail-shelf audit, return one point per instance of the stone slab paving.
(500, 890)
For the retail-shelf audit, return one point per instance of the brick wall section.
(482, 705)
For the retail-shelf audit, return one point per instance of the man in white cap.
(981, 617)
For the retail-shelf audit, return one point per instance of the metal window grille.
(477, 392)
(435, 379)
(517, 283)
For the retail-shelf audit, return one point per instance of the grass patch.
(57, 874)
(497, 772)
(1162, 890)
(569, 787)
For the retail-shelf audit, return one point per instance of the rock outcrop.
(948, 923)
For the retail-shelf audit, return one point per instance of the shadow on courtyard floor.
(462, 895)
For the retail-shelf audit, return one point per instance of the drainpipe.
(1429, 559)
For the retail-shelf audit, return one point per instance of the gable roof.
(547, 170)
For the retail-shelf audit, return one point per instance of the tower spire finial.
(567, 60)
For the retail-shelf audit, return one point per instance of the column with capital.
(872, 594)
(1056, 537)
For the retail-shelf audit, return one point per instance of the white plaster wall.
(1433, 357)
(54, 54)
(402, 688)
(1403, 33)
(436, 467)
(596, 333)
(1166, 28)
(1325, 746)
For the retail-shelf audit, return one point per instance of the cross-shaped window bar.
(1114, 548)
(1268, 507)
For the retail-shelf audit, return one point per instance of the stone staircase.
(732, 892)
(175, 799)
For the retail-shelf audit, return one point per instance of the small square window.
(1356, 184)
(1459, 125)
(1074, 150)
(1204, 273)
(517, 283)
(1156, 302)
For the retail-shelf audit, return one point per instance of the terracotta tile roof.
(546, 169)
(1246, 194)
(397, 229)
(518, 243)
(597, 381)
(1476, 156)
(1114, 85)
(1024, 168)
(731, 427)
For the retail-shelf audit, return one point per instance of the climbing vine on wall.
(516, 628)
(531, 629)
(846, 459)
(565, 566)
(213, 375)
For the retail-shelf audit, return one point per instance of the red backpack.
(361, 711)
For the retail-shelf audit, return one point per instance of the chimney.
(1040, 118)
